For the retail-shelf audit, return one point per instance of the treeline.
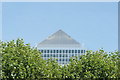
(20, 61)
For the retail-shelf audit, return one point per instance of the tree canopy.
(21, 61)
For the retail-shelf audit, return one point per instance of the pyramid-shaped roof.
(59, 39)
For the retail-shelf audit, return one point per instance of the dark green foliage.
(20, 61)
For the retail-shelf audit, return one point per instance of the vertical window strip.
(53, 51)
(60, 51)
(44, 51)
(81, 51)
(57, 51)
(69, 51)
(84, 51)
(72, 51)
(50, 51)
(75, 51)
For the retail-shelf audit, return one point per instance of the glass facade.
(62, 51)
(62, 56)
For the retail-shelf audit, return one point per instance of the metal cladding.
(59, 40)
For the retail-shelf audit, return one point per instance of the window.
(53, 51)
(56, 55)
(57, 51)
(47, 55)
(69, 51)
(76, 54)
(81, 51)
(44, 51)
(72, 51)
(75, 51)
(50, 55)
(60, 51)
(63, 51)
(72, 54)
(50, 51)
(44, 55)
(78, 51)
(63, 55)
(47, 51)
(53, 55)
(66, 55)
(41, 51)
(59, 59)
(60, 55)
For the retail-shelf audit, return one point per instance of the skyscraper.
(60, 46)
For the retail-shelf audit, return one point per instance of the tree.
(20, 61)
(95, 65)
(53, 69)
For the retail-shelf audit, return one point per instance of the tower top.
(59, 39)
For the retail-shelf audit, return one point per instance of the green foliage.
(53, 69)
(20, 61)
(94, 65)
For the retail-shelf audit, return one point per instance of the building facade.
(60, 46)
